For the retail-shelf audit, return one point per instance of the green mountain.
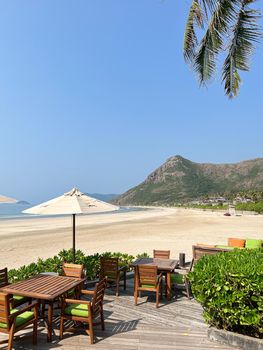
(180, 180)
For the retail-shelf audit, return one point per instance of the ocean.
(9, 211)
(14, 211)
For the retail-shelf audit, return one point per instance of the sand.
(24, 240)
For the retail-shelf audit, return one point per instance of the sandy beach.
(24, 240)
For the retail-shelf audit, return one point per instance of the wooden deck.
(176, 325)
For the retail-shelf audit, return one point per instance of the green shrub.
(256, 207)
(91, 264)
(229, 286)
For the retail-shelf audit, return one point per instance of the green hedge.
(229, 286)
(90, 262)
(256, 207)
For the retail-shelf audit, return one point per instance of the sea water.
(14, 211)
(9, 211)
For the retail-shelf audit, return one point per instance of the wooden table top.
(162, 264)
(43, 286)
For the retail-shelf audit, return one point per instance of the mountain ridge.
(179, 180)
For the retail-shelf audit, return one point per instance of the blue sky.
(96, 94)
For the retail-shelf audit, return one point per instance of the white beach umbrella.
(4, 199)
(73, 202)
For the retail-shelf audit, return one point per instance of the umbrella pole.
(74, 215)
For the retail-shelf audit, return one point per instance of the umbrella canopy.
(4, 199)
(73, 202)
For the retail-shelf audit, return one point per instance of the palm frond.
(205, 58)
(246, 32)
(195, 17)
(208, 6)
(223, 15)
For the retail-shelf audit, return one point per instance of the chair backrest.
(108, 267)
(4, 309)
(199, 251)
(146, 274)
(97, 300)
(73, 270)
(3, 277)
(161, 254)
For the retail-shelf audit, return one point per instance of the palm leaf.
(211, 44)
(246, 32)
(195, 17)
(204, 60)
(208, 6)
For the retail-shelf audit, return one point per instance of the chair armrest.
(87, 292)
(76, 301)
(26, 308)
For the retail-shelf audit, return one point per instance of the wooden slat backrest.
(73, 270)
(97, 300)
(3, 277)
(108, 266)
(147, 274)
(4, 309)
(161, 254)
(199, 251)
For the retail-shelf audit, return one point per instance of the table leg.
(49, 321)
(168, 285)
(135, 283)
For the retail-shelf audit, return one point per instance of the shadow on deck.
(177, 324)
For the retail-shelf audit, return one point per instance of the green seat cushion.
(225, 247)
(113, 275)
(253, 243)
(77, 310)
(20, 319)
(177, 278)
(151, 286)
(18, 299)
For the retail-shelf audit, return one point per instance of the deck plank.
(176, 325)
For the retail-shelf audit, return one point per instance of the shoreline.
(177, 229)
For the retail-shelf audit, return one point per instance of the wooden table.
(44, 287)
(163, 265)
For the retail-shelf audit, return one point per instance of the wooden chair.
(3, 277)
(73, 270)
(147, 279)
(179, 277)
(179, 280)
(85, 311)
(161, 254)
(68, 270)
(12, 321)
(109, 267)
(76, 271)
(16, 300)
